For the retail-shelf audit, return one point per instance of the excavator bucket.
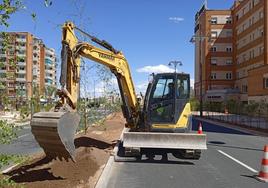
(54, 132)
(164, 140)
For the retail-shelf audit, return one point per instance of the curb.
(104, 177)
(10, 168)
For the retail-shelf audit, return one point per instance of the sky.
(150, 33)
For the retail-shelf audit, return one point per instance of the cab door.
(162, 99)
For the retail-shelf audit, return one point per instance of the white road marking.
(239, 162)
(9, 168)
(23, 135)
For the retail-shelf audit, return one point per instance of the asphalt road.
(232, 159)
(25, 144)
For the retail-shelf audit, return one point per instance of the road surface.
(25, 144)
(232, 159)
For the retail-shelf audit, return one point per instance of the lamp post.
(175, 63)
(200, 38)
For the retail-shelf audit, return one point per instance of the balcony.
(21, 79)
(21, 54)
(50, 58)
(49, 72)
(21, 48)
(21, 71)
(22, 64)
(35, 58)
(20, 40)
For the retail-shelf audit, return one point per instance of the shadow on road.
(159, 156)
(209, 127)
(164, 160)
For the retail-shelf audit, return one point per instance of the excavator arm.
(73, 50)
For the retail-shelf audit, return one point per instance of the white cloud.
(141, 87)
(155, 69)
(176, 19)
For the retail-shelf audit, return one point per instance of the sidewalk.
(13, 117)
(259, 124)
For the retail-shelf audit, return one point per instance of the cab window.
(164, 89)
(183, 88)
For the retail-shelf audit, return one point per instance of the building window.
(213, 49)
(237, 75)
(229, 62)
(261, 32)
(261, 49)
(229, 33)
(265, 83)
(229, 20)
(214, 20)
(261, 14)
(228, 49)
(213, 61)
(251, 54)
(214, 34)
(229, 76)
(244, 88)
(213, 76)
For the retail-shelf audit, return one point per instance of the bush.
(195, 105)
(24, 111)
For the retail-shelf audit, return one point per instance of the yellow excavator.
(163, 121)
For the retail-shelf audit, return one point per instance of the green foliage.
(195, 105)
(7, 8)
(24, 111)
(6, 182)
(6, 159)
(7, 132)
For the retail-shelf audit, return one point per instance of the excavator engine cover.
(55, 131)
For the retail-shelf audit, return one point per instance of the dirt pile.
(92, 152)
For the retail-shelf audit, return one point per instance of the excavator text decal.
(110, 57)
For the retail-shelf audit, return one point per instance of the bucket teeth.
(54, 132)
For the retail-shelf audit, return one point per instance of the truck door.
(162, 99)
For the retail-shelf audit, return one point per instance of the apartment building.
(23, 66)
(250, 39)
(214, 64)
(233, 52)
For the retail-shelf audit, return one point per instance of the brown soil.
(92, 152)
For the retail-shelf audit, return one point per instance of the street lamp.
(200, 38)
(175, 63)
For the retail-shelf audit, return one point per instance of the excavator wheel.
(54, 132)
(188, 154)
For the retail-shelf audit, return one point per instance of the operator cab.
(166, 97)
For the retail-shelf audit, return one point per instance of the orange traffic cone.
(200, 130)
(263, 174)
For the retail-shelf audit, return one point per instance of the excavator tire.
(188, 154)
(54, 132)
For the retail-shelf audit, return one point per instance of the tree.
(49, 93)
